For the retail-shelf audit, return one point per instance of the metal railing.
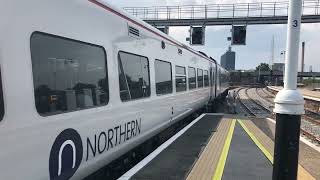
(238, 10)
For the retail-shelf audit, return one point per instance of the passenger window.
(200, 78)
(163, 77)
(192, 77)
(133, 76)
(68, 75)
(181, 79)
(206, 78)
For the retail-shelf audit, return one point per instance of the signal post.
(289, 104)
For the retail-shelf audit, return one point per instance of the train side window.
(68, 75)
(192, 77)
(163, 77)
(181, 79)
(133, 76)
(206, 78)
(200, 78)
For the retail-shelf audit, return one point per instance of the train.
(83, 82)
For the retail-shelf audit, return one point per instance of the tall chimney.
(302, 61)
(302, 58)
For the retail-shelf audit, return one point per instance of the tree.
(263, 67)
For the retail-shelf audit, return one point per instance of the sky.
(258, 42)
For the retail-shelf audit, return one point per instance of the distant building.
(278, 67)
(228, 60)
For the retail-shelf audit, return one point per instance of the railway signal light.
(239, 35)
(197, 35)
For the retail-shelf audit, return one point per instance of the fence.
(238, 10)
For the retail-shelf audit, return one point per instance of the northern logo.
(66, 155)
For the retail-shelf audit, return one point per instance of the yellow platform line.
(256, 141)
(223, 158)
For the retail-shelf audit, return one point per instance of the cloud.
(179, 33)
(310, 28)
(185, 2)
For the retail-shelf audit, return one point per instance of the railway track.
(253, 107)
(309, 116)
(268, 97)
(310, 123)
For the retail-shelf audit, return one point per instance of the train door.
(212, 94)
(214, 81)
(166, 105)
(215, 78)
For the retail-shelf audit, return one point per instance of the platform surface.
(309, 158)
(175, 161)
(308, 94)
(218, 147)
(245, 160)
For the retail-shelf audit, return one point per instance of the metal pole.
(289, 104)
(192, 12)
(206, 11)
(259, 76)
(233, 12)
(313, 82)
(261, 11)
(302, 8)
(284, 55)
(317, 7)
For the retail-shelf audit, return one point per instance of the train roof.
(146, 26)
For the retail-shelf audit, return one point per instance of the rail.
(309, 124)
(251, 106)
(243, 104)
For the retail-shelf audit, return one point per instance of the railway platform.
(307, 94)
(214, 146)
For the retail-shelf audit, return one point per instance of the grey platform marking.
(245, 161)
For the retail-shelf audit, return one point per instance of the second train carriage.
(82, 83)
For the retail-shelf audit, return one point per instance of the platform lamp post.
(289, 104)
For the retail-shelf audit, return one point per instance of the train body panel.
(37, 142)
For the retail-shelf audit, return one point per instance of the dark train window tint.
(200, 78)
(68, 75)
(163, 77)
(181, 79)
(1, 100)
(133, 76)
(206, 78)
(192, 77)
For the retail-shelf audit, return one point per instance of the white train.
(82, 83)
